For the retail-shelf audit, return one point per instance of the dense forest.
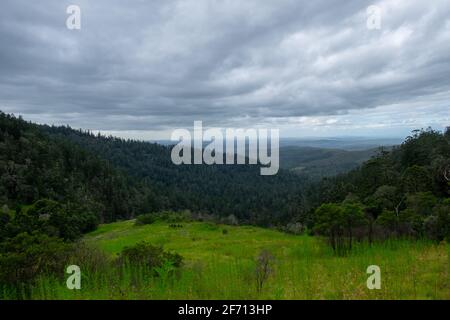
(58, 177)
(402, 192)
(220, 190)
(109, 178)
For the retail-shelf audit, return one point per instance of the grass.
(222, 266)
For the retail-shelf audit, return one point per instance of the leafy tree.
(401, 189)
(416, 179)
(25, 256)
(387, 198)
(437, 225)
(354, 216)
(421, 203)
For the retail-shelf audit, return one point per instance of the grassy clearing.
(222, 266)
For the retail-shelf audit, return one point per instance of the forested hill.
(420, 164)
(404, 192)
(116, 178)
(77, 188)
(220, 190)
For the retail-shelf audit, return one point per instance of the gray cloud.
(154, 65)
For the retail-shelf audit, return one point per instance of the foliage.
(149, 256)
(305, 267)
(403, 192)
(25, 256)
(217, 190)
(337, 222)
(35, 165)
(66, 221)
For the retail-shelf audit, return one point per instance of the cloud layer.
(158, 65)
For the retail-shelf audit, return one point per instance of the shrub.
(146, 255)
(264, 268)
(27, 256)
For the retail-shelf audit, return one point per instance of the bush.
(146, 255)
(27, 256)
(264, 268)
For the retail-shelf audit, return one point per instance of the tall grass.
(223, 266)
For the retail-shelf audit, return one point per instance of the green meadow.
(220, 264)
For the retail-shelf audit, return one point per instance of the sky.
(141, 69)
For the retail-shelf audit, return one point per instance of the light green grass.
(222, 266)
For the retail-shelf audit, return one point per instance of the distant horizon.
(155, 136)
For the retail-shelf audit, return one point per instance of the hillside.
(400, 193)
(420, 164)
(70, 186)
(221, 190)
(219, 265)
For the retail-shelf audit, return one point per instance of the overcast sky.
(311, 68)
